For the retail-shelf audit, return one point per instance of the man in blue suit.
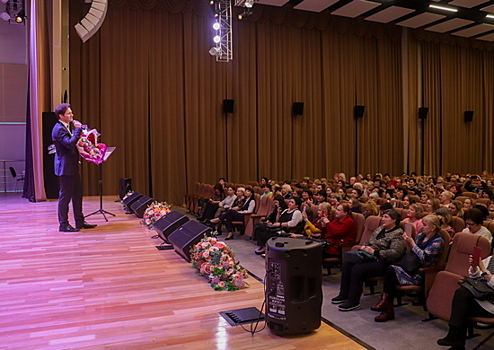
(67, 168)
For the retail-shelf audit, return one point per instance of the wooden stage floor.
(110, 288)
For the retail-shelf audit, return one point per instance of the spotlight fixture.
(249, 3)
(215, 51)
(5, 16)
(216, 26)
(20, 17)
(217, 39)
(4, 1)
(14, 11)
(245, 14)
(489, 16)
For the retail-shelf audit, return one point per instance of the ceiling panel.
(355, 8)
(450, 25)
(315, 5)
(488, 37)
(389, 14)
(467, 3)
(489, 8)
(273, 2)
(481, 28)
(421, 20)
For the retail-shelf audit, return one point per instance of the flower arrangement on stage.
(154, 212)
(215, 260)
(88, 146)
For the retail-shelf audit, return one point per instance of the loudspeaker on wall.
(228, 106)
(186, 236)
(298, 108)
(358, 112)
(468, 115)
(423, 111)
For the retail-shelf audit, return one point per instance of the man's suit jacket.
(67, 156)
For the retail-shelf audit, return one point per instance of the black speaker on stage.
(298, 108)
(358, 112)
(186, 236)
(468, 115)
(169, 223)
(124, 186)
(131, 200)
(423, 112)
(293, 285)
(228, 106)
(140, 205)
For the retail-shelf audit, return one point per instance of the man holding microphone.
(67, 168)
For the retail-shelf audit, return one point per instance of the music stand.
(101, 211)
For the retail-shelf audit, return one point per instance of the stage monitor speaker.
(423, 111)
(228, 106)
(186, 236)
(293, 285)
(124, 186)
(358, 112)
(298, 108)
(131, 200)
(140, 205)
(468, 115)
(169, 223)
(51, 181)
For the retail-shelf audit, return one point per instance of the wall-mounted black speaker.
(124, 186)
(51, 181)
(228, 106)
(295, 265)
(468, 115)
(140, 205)
(188, 235)
(169, 223)
(358, 112)
(298, 108)
(423, 111)
(131, 200)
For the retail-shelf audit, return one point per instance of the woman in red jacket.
(341, 229)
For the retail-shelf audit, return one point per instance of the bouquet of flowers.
(154, 212)
(88, 146)
(215, 260)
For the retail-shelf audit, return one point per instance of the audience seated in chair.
(426, 248)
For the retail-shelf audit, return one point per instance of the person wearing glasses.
(474, 219)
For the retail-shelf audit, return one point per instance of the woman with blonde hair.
(370, 209)
(286, 191)
(427, 247)
(431, 205)
(446, 219)
(316, 228)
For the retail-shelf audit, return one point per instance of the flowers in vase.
(216, 261)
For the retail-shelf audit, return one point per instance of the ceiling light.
(451, 9)
(489, 16)
(216, 26)
(217, 39)
(249, 3)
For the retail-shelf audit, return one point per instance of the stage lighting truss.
(14, 12)
(223, 49)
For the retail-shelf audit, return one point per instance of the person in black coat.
(67, 169)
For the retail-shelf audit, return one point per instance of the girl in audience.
(414, 216)
(465, 305)
(432, 205)
(316, 228)
(427, 247)
(446, 218)
(341, 229)
(289, 224)
(387, 245)
(456, 208)
(237, 213)
(410, 199)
